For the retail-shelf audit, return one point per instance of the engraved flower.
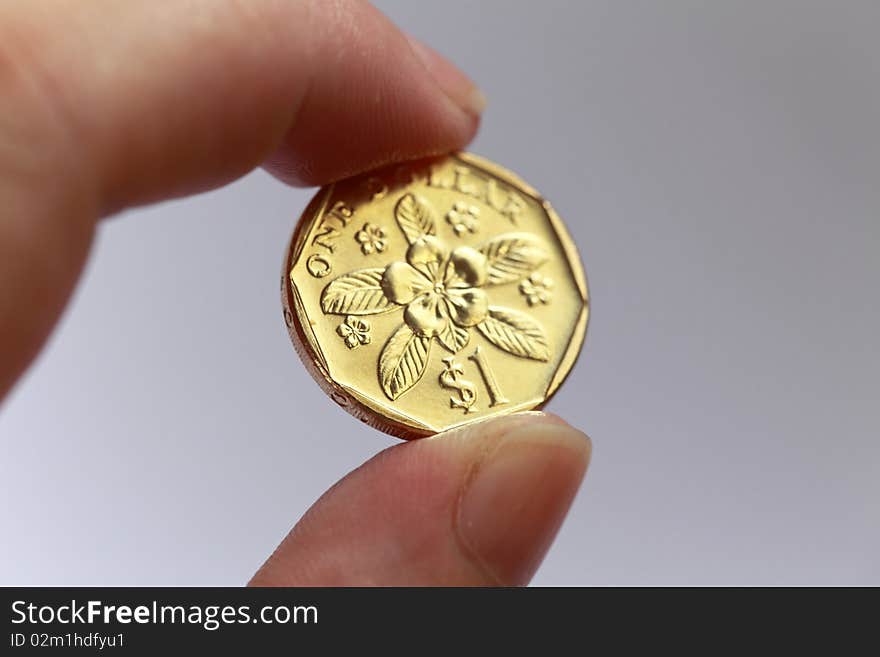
(371, 238)
(442, 296)
(537, 289)
(354, 331)
(439, 287)
(463, 217)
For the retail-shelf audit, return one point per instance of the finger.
(478, 506)
(106, 104)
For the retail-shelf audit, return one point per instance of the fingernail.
(454, 83)
(517, 497)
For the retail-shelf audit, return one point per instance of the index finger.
(106, 104)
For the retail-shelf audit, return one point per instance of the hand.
(107, 104)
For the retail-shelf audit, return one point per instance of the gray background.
(718, 164)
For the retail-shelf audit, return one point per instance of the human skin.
(106, 105)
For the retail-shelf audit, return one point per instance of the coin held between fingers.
(431, 294)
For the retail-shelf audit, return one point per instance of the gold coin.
(431, 294)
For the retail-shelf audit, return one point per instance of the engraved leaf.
(402, 361)
(453, 337)
(356, 293)
(515, 332)
(415, 218)
(513, 256)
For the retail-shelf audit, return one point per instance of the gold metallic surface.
(431, 294)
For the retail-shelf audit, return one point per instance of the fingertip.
(457, 85)
(376, 96)
(476, 506)
(517, 496)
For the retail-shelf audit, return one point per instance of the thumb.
(472, 507)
